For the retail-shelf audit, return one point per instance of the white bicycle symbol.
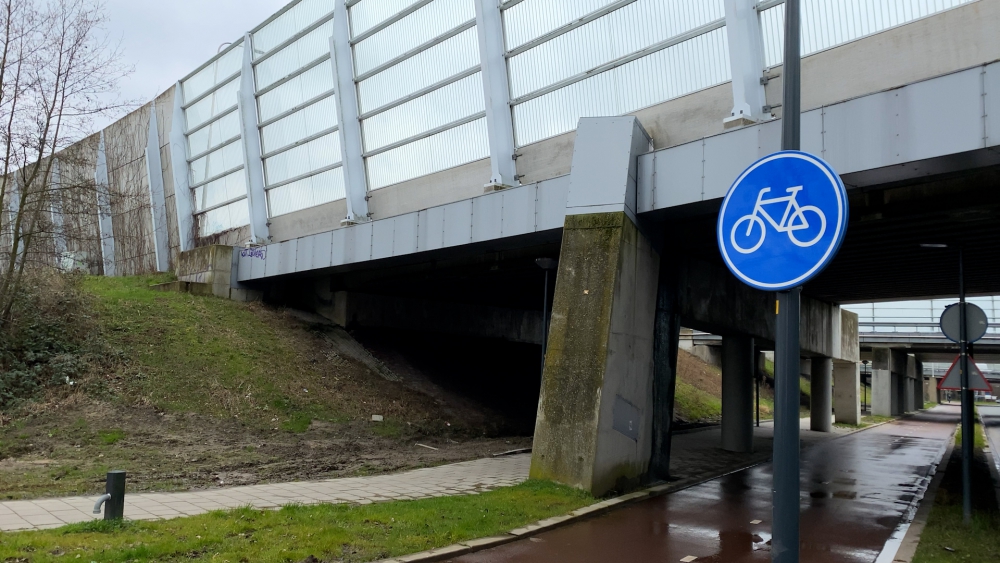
(793, 219)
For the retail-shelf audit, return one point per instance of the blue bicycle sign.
(782, 221)
(793, 219)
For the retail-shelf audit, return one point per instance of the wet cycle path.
(855, 491)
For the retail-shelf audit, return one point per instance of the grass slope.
(294, 533)
(698, 396)
(946, 538)
(183, 353)
(199, 391)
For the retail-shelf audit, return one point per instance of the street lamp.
(965, 395)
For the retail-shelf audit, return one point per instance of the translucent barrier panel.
(424, 69)
(310, 47)
(303, 159)
(615, 35)
(369, 13)
(212, 135)
(220, 191)
(217, 162)
(212, 105)
(438, 108)
(224, 218)
(453, 147)
(533, 18)
(415, 29)
(304, 87)
(220, 69)
(675, 71)
(308, 192)
(294, 20)
(828, 23)
(306, 122)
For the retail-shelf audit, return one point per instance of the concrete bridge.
(438, 226)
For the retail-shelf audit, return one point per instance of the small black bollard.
(114, 507)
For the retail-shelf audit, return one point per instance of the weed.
(111, 437)
(298, 422)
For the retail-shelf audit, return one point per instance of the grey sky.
(167, 39)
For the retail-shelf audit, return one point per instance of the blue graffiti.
(260, 252)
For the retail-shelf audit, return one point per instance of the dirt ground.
(68, 449)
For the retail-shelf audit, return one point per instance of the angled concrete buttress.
(594, 424)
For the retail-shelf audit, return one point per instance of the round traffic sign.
(782, 221)
(976, 322)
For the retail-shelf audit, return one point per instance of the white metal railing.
(829, 23)
(614, 57)
(419, 85)
(296, 108)
(420, 92)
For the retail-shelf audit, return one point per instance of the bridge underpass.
(398, 235)
(919, 177)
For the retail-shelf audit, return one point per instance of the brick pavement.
(693, 454)
(454, 479)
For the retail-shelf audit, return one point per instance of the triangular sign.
(953, 378)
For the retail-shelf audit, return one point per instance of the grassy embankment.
(294, 533)
(946, 538)
(195, 391)
(698, 395)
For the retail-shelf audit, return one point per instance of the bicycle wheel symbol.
(753, 220)
(803, 223)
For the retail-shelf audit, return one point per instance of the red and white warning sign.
(953, 378)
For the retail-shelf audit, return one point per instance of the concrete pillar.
(666, 341)
(737, 393)
(883, 390)
(821, 406)
(909, 398)
(805, 371)
(183, 197)
(594, 424)
(847, 392)
(104, 220)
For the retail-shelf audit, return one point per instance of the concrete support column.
(56, 213)
(883, 392)
(157, 200)
(847, 392)
(595, 412)
(737, 393)
(821, 407)
(805, 371)
(666, 341)
(107, 232)
(183, 198)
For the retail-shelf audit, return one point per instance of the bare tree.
(57, 70)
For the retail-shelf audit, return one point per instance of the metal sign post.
(967, 424)
(781, 223)
(785, 486)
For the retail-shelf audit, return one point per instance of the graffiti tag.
(259, 252)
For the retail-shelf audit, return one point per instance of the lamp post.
(968, 426)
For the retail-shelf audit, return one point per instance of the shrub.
(49, 338)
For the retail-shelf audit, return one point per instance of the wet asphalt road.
(855, 490)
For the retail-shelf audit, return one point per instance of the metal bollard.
(114, 497)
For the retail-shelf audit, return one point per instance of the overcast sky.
(167, 39)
